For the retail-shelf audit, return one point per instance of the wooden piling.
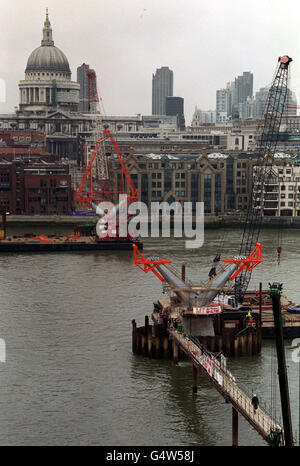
(134, 337)
(227, 341)
(157, 347)
(195, 378)
(235, 427)
(236, 345)
(254, 342)
(243, 340)
(138, 341)
(175, 352)
(219, 343)
(250, 343)
(166, 347)
(149, 341)
(143, 344)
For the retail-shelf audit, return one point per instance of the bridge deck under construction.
(224, 382)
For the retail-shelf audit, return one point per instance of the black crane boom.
(267, 139)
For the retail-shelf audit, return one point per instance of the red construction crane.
(95, 185)
(100, 167)
(90, 195)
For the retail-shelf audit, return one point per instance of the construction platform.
(291, 321)
(65, 243)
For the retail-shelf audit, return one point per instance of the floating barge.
(291, 321)
(63, 243)
(84, 238)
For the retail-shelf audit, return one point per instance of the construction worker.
(255, 402)
(212, 273)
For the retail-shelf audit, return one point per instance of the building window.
(207, 193)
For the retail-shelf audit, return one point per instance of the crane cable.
(217, 258)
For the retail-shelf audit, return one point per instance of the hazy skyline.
(206, 44)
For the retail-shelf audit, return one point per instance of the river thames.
(70, 377)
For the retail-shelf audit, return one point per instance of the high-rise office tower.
(243, 87)
(261, 99)
(236, 95)
(82, 79)
(174, 106)
(224, 100)
(162, 87)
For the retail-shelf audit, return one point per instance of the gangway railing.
(224, 381)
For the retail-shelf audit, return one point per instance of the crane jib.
(267, 139)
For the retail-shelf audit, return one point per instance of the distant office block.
(82, 79)
(261, 99)
(236, 97)
(174, 106)
(162, 87)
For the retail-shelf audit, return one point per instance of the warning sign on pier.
(206, 311)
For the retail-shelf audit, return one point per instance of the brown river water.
(70, 377)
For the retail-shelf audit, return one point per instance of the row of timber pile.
(232, 340)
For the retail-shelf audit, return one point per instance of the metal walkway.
(221, 378)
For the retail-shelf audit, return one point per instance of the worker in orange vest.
(250, 319)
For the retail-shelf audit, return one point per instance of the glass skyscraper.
(162, 87)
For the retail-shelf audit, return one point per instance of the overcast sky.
(206, 43)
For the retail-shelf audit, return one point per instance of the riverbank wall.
(210, 222)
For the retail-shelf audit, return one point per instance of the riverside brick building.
(35, 188)
(222, 181)
(22, 138)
